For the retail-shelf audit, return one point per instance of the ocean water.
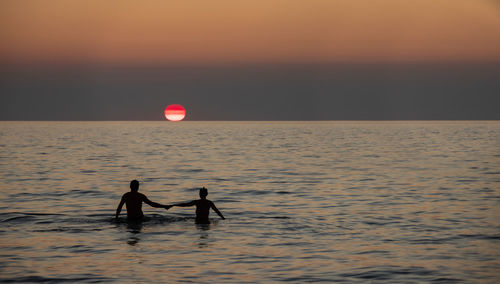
(386, 202)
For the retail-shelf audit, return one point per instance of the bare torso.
(203, 206)
(203, 210)
(133, 201)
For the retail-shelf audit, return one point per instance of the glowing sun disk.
(175, 112)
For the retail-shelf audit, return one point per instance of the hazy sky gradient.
(289, 92)
(250, 60)
(179, 31)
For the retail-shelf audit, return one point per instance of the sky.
(249, 60)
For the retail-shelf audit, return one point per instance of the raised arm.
(185, 204)
(119, 208)
(153, 204)
(216, 210)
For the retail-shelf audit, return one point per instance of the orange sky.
(188, 31)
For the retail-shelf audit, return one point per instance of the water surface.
(386, 202)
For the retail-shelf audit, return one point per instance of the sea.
(324, 201)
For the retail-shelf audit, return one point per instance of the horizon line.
(333, 120)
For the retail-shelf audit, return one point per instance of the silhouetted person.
(203, 206)
(133, 200)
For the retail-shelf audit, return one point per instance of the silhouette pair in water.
(133, 201)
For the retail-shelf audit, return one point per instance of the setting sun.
(175, 112)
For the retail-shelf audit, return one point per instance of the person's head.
(203, 193)
(134, 185)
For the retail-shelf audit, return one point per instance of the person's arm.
(153, 204)
(216, 210)
(119, 208)
(185, 204)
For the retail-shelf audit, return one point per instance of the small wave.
(426, 241)
(386, 252)
(256, 192)
(15, 218)
(467, 180)
(229, 200)
(35, 213)
(40, 279)
(480, 236)
(387, 273)
(67, 230)
(273, 217)
(86, 192)
(152, 220)
(190, 170)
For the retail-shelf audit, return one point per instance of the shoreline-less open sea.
(387, 202)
